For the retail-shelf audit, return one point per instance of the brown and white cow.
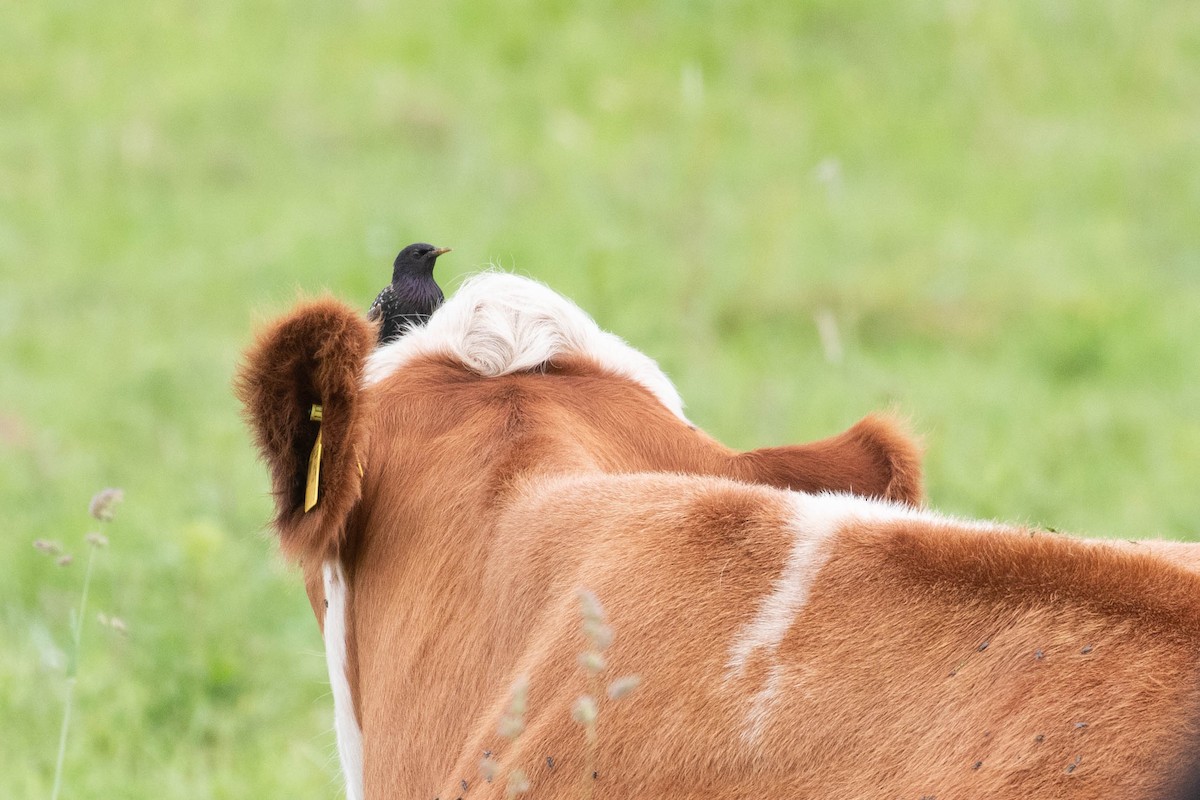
(794, 637)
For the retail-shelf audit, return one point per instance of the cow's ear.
(875, 458)
(312, 357)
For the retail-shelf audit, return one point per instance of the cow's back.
(788, 648)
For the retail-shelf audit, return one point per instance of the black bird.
(412, 295)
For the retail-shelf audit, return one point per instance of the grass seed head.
(590, 606)
(104, 503)
(96, 539)
(517, 783)
(48, 547)
(599, 634)
(520, 695)
(621, 687)
(510, 727)
(595, 625)
(513, 721)
(584, 710)
(592, 662)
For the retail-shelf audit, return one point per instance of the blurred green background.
(992, 208)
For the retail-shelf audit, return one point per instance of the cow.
(800, 624)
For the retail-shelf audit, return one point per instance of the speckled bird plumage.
(412, 295)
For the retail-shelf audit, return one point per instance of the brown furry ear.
(875, 458)
(314, 355)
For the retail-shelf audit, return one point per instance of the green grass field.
(997, 204)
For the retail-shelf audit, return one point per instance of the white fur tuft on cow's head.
(498, 323)
(312, 356)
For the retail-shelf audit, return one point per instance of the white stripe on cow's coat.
(815, 522)
(811, 526)
(762, 704)
(349, 736)
(498, 323)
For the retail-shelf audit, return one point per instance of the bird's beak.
(438, 251)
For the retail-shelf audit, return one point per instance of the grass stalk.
(62, 739)
(72, 674)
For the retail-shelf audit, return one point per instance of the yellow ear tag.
(314, 463)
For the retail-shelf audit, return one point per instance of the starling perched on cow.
(412, 295)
